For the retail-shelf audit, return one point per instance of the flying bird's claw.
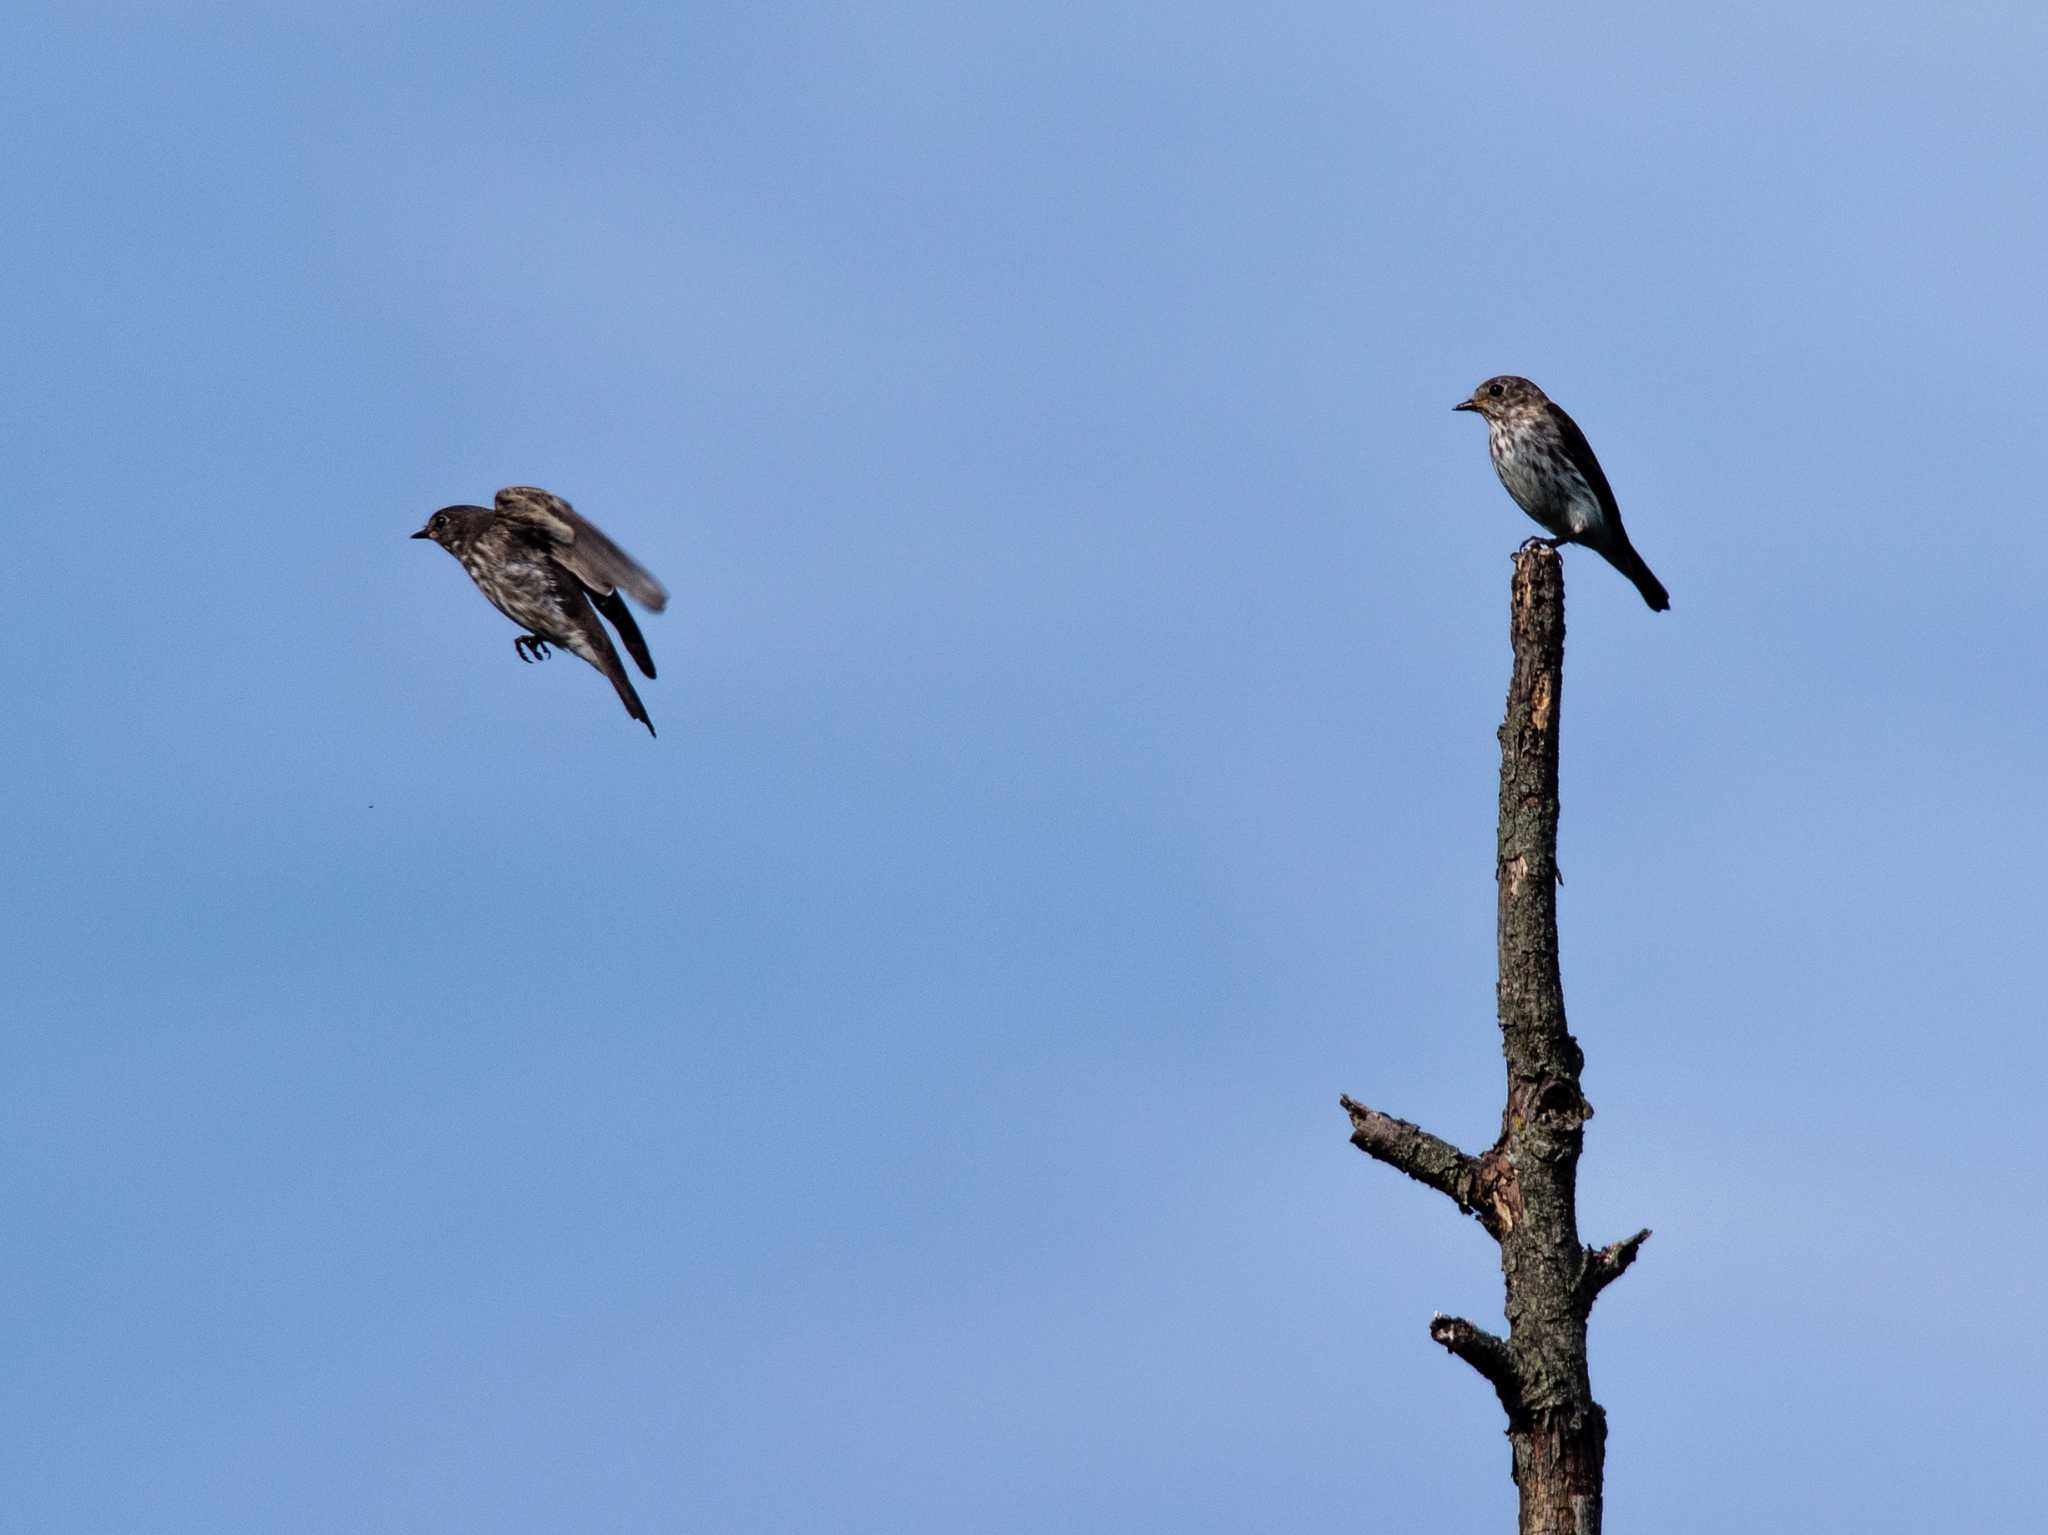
(531, 648)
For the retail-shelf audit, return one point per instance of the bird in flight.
(1548, 466)
(544, 566)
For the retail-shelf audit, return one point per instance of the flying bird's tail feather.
(595, 646)
(613, 606)
(627, 696)
(1623, 557)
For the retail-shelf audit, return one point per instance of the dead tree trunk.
(1524, 1190)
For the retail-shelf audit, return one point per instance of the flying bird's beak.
(1461, 405)
(421, 534)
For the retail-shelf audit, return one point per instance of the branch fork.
(1604, 1265)
(1487, 1354)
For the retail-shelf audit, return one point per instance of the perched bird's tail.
(1623, 557)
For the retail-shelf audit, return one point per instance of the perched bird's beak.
(1461, 405)
(421, 534)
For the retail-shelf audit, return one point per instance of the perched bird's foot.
(531, 648)
(1534, 541)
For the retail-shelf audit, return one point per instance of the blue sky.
(904, 1096)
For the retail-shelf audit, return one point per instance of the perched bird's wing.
(1581, 454)
(1609, 538)
(580, 547)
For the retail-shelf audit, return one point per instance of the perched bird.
(542, 566)
(1549, 468)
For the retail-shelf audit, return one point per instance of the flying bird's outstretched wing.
(613, 606)
(579, 546)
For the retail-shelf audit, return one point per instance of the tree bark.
(1524, 1190)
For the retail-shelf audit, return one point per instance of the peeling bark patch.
(1539, 706)
(1495, 1181)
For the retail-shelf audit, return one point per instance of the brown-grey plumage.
(1548, 466)
(544, 566)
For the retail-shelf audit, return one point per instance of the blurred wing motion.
(579, 546)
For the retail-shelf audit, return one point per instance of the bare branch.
(1422, 1156)
(1486, 1354)
(1523, 1189)
(1606, 1264)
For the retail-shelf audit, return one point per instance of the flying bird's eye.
(1495, 390)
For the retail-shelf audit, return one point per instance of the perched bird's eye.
(439, 522)
(1495, 390)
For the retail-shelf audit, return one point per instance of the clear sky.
(903, 1097)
